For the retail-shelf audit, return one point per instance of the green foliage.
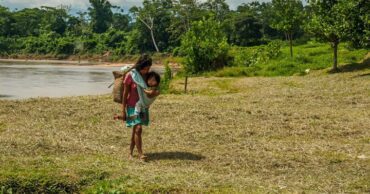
(167, 77)
(219, 8)
(205, 47)
(27, 22)
(65, 46)
(6, 21)
(54, 19)
(243, 29)
(330, 21)
(273, 49)
(359, 18)
(287, 15)
(255, 55)
(313, 56)
(183, 28)
(101, 15)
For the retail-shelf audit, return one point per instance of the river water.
(22, 80)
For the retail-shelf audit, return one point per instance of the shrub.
(165, 81)
(65, 46)
(205, 47)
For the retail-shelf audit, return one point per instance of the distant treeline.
(160, 25)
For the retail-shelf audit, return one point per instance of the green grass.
(313, 56)
(227, 135)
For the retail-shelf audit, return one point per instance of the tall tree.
(155, 16)
(330, 22)
(184, 12)
(6, 20)
(264, 14)
(243, 29)
(359, 21)
(101, 15)
(287, 17)
(218, 7)
(27, 22)
(205, 47)
(121, 21)
(55, 19)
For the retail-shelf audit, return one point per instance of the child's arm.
(152, 93)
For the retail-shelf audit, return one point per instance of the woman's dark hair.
(155, 75)
(144, 61)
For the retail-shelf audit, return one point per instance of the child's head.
(153, 79)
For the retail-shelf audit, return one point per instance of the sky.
(77, 5)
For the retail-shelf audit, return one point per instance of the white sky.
(84, 4)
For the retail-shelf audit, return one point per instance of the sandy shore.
(82, 63)
(60, 62)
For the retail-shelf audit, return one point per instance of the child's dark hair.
(154, 74)
(144, 61)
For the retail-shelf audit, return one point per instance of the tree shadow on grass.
(352, 67)
(173, 156)
(356, 66)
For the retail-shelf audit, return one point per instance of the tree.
(263, 13)
(205, 47)
(155, 16)
(243, 29)
(184, 12)
(101, 15)
(218, 7)
(6, 21)
(27, 22)
(287, 17)
(330, 22)
(55, 19)
(359, 21)
(121, 21)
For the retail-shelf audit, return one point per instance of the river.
(22, 80)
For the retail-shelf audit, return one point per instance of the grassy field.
(227, 135)
(312, 55)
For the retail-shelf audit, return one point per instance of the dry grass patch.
(281, 134)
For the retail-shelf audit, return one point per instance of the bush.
(255, 55)
(65, 46)
(167, 77)
(4, 45)
(273, 49)
(205, 47)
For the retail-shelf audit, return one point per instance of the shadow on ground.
(352, 67)
(173, 156)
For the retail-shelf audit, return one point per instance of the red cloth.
(133, 95)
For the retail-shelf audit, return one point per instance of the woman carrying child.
(131, 99)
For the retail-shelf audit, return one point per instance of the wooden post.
(186, 83)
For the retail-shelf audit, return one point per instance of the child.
(152, 81)
(147, 91)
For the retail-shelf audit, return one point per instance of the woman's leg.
(132, 145)
(138, 141)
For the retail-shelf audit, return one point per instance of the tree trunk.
(335, 49)
(291, 44)
(186, 83)
(155, 44)
(150, 27)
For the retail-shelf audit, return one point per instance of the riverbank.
(227, 135)
(158, 64)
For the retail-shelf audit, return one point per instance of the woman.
(130, 98)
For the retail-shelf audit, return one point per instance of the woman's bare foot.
(130, 157)
(142, 158)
